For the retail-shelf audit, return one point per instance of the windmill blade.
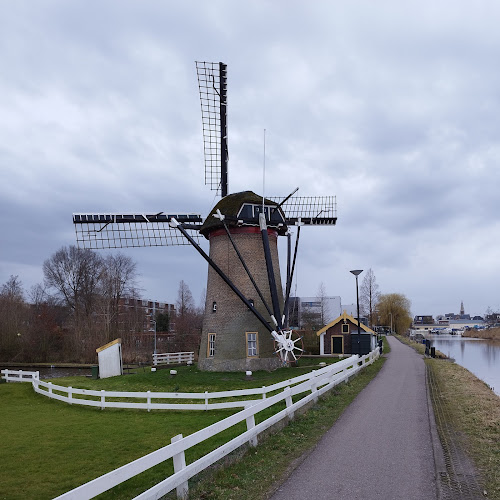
(98, 231)
(308, 210)
(212, 84)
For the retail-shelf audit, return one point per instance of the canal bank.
(479, 356)
(468, 417)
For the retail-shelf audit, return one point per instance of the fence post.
(70, 395)
(50, 387)
(263, 392)
(149, 400)
(314, 388)
(179, 464)
(289, 402)
(250, 425)
(20, 375)
(103, 398)
(206, 400)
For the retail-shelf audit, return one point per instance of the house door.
(337, 345)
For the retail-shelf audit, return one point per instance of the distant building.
(305, 312)
(423, 320)
(141, 314)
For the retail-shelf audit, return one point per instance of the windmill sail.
(212, 84)
(97, 231)
(309, 210)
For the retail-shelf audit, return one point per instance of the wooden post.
(289, 402)
(149, 400)
(103, 398)
(250, 425)
(179, 464)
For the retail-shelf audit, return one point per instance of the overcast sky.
(394, 107)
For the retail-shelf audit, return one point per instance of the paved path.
(381, 445)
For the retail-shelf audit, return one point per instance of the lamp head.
(356, 272)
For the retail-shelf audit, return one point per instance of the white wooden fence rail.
(19, 375)
(241, 398)
(316, 383)
(169, 358)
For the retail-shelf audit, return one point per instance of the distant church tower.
(462, 311)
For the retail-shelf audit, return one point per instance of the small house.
(341, 337)
(110, 359)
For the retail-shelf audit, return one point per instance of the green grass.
(257, 474)
(49, 447)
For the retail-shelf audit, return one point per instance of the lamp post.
(356, 273)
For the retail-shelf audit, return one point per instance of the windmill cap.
(230, 206)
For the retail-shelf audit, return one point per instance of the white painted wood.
(319, 382)
(173, 357)
(179, 464)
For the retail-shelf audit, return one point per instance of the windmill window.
(252, 350)
(252, 303)
(214, 307)
(345, 328)
(211, 345)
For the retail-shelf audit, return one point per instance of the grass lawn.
(49, 447)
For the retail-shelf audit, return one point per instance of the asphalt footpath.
(380, 447)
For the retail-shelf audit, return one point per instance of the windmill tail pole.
(249, 274)
(270, 270)
(218, 270)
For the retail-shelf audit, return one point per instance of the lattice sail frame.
(212, 85)
(309, 210)
(101, 231)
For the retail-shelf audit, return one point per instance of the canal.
(479, 356)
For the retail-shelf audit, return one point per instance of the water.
(481, 357)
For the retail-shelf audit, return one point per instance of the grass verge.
(257, 473)
(475, 415)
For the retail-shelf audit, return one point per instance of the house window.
(345, 328)
(211, 345)
(252, 345)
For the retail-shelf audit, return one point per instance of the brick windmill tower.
(245, 321)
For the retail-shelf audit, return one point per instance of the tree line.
(79, 307)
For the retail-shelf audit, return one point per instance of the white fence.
(19, 375)
(169, 358)
(315, 384)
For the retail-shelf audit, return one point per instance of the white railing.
(316, 383)
(241, 398)
(176, 450)
(19, 375)
(169, 358)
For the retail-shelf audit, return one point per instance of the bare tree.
(188, 319)
(369, 296)
(13, 310)
(76, 275)
(117, 280)
(321, 296)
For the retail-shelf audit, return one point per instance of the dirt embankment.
(491, 333)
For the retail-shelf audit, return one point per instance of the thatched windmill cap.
(230, 207)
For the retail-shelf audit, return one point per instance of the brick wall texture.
(232, 318)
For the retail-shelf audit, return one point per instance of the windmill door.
(337, 344)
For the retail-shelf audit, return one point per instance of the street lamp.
(356, 273)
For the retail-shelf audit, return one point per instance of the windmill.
(245, 325)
